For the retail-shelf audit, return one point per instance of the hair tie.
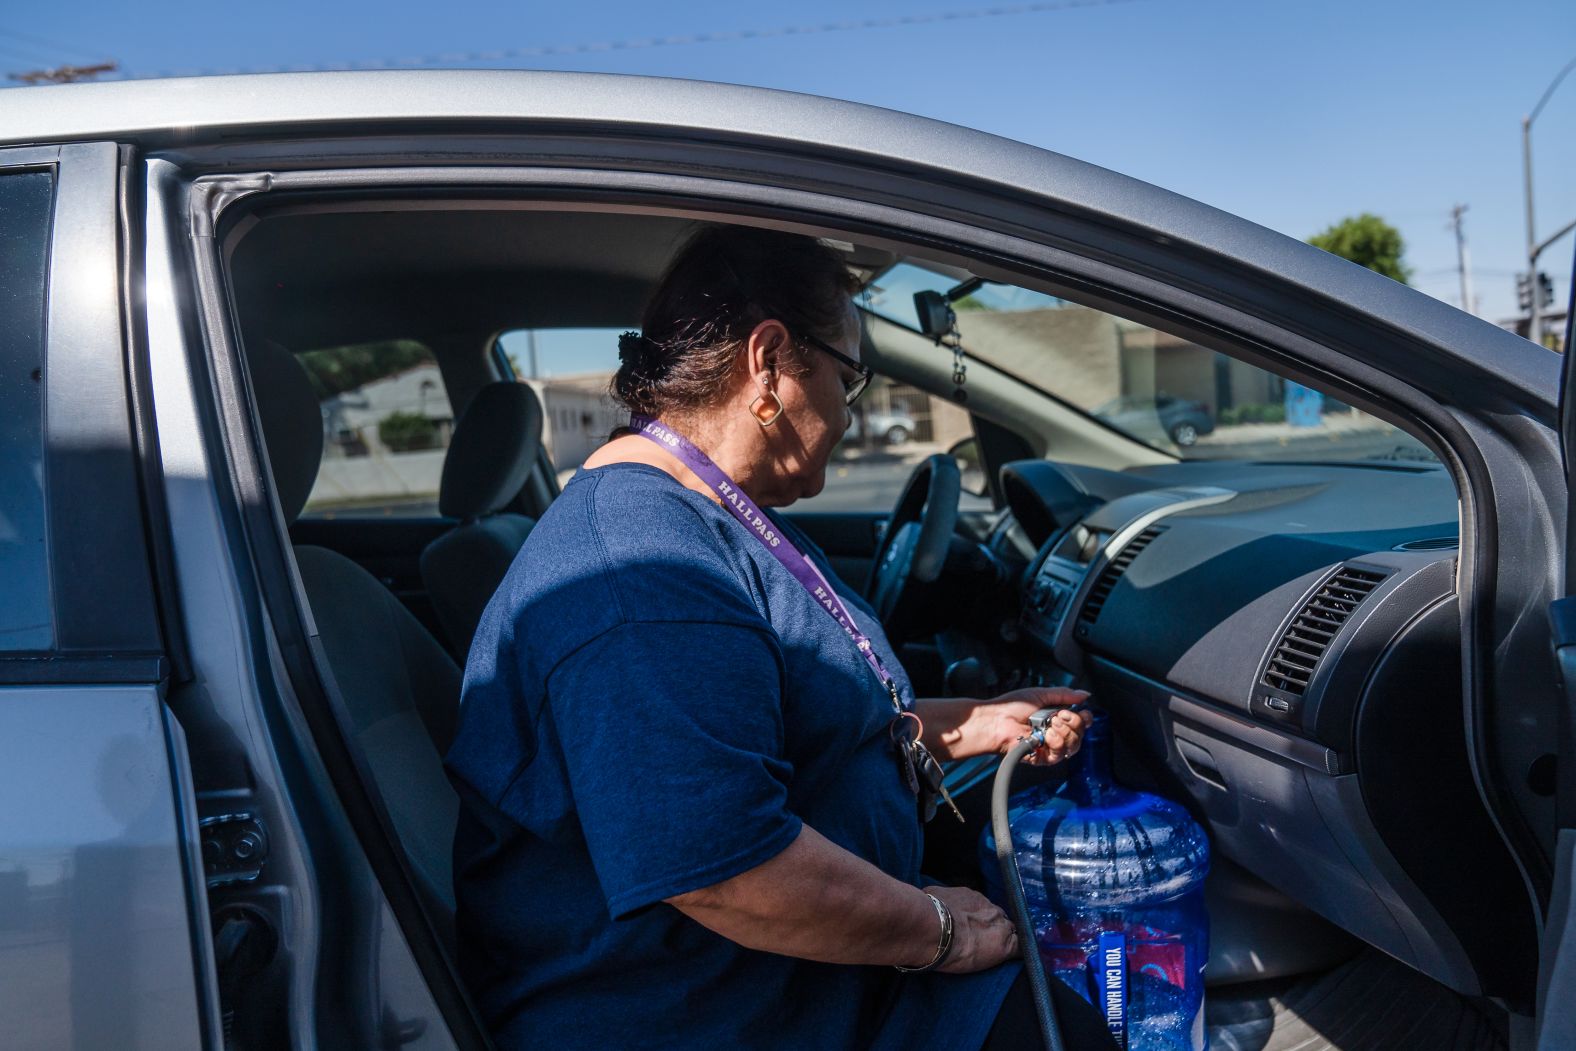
(636, 350)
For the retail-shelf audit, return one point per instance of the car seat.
(495, 447)
(400, 689)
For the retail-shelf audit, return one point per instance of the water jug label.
(1158, 954)
(1110, 969)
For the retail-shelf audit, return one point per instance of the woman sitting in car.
(690, 761)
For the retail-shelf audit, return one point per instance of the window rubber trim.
(145, 438)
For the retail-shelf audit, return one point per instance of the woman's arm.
(960, 727)
(817, 901)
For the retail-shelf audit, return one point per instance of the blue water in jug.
(1115, 885)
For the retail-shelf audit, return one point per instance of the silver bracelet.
(945, 915)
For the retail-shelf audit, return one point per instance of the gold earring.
(766, 414)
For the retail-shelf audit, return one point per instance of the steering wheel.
(914, 546)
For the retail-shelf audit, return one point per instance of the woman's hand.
(982, 935)
(816, 901)
(956, 728)
(1007, 720)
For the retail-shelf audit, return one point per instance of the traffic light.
(1545, 291)
(1524, 291)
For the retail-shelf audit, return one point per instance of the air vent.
(1292, 664)
(1433, 543)
(1113, 572)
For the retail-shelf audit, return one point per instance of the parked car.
(1160, 417)
(891, 428)
(225, 821)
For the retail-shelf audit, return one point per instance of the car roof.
(174, 113)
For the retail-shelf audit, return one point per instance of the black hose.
(1039, 988)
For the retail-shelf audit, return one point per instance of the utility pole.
(64, 74)
(1463, 262)
(530, 352)
(1534, 249)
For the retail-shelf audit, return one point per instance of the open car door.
(1557, 968)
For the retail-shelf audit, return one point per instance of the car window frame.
(1346, 358)
(109, 623)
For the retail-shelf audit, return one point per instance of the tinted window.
(25, 619)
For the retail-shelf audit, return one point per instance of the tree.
(338, 369)
(1366, 240)
(404, 432)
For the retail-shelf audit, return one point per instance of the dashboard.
(1278, 646)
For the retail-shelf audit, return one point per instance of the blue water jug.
(1115, 885)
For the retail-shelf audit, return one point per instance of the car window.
(571, 371)
(386, 426)
(895, 426)
(1159, 388)
(26, 622)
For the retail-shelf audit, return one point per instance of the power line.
(53, 46)
(30, 56)
(457, 58)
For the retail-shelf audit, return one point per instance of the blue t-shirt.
(652, 705)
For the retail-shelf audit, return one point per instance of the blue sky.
(1290, 114)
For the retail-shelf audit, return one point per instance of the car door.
(103, 922)
(1557, 967)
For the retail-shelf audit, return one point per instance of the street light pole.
(1534, 249)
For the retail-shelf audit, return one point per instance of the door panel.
(95, 934)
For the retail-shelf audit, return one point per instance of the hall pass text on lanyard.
(796, 562)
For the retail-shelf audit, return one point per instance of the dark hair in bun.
(724, 282)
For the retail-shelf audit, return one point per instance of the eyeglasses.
(855, 387)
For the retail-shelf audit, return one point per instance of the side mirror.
(971, 466)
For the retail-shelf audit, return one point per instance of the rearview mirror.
(935, 313)
(970, 466)
(936, 317)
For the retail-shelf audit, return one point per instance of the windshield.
(1160, 389)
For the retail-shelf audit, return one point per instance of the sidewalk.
(1335, 424)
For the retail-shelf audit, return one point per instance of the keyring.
(919, 727)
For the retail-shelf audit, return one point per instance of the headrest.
(292, 423)
(494, 447)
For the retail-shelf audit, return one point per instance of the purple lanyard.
(796, 562)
